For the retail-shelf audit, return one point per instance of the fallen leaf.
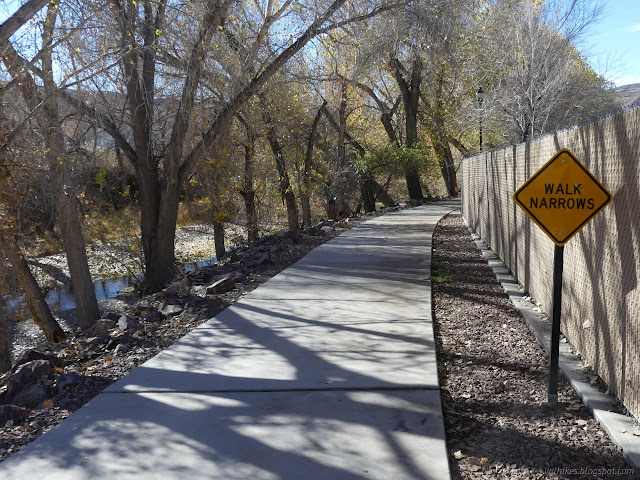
(472, 460)
(458, 455)
(47, 404)
(581, 423)
(484, 460)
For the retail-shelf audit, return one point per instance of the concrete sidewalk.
(327, 371)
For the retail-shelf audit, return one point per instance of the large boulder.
(153, 316)
(257, 261)
(31, 355)
(127, 323)
(171, 309)
(100, 328)
(11, 414)
(31, 396)
(25, 376)
(68, 380)
(222, 285)
(294, 235)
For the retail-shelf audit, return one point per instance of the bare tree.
(162, 164)
(536, 80)
(44, 105)
(10, 246)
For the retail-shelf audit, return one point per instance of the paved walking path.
(327, 371)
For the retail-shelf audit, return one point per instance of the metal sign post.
(561, 198)
(556, 308)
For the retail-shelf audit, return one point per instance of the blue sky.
(616, 38)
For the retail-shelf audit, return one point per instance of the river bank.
(124, 258)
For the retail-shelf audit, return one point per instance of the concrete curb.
(622, 429)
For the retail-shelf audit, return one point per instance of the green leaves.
(394, 158)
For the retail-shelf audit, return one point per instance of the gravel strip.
(493, 377)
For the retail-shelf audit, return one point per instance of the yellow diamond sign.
(562, 197)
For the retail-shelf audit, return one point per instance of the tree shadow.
(54, 272)
(272, 428)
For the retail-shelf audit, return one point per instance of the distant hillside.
(630, 95)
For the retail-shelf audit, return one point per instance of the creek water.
(61, 299)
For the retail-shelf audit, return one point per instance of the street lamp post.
(480, 98)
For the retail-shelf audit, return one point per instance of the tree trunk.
(343, 209)
(49, 123)
(381, 193)
(440, 139)
(447, 166)
(305, 196)
(252, 217)
(367, 190)
(292, 211)
(412, 177)
(286, 191)
(410, 92)
(158, 236)
(5, 345)
(218, 238)
(342, 127)
(87, 311)
(411, 118)
(51, 129)
(124, 180)
(247, 191)
(366, 181)
(33, 295)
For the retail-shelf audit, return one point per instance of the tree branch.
(18, 19)
(254, 85)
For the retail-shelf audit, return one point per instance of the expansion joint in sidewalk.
(400, 388)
